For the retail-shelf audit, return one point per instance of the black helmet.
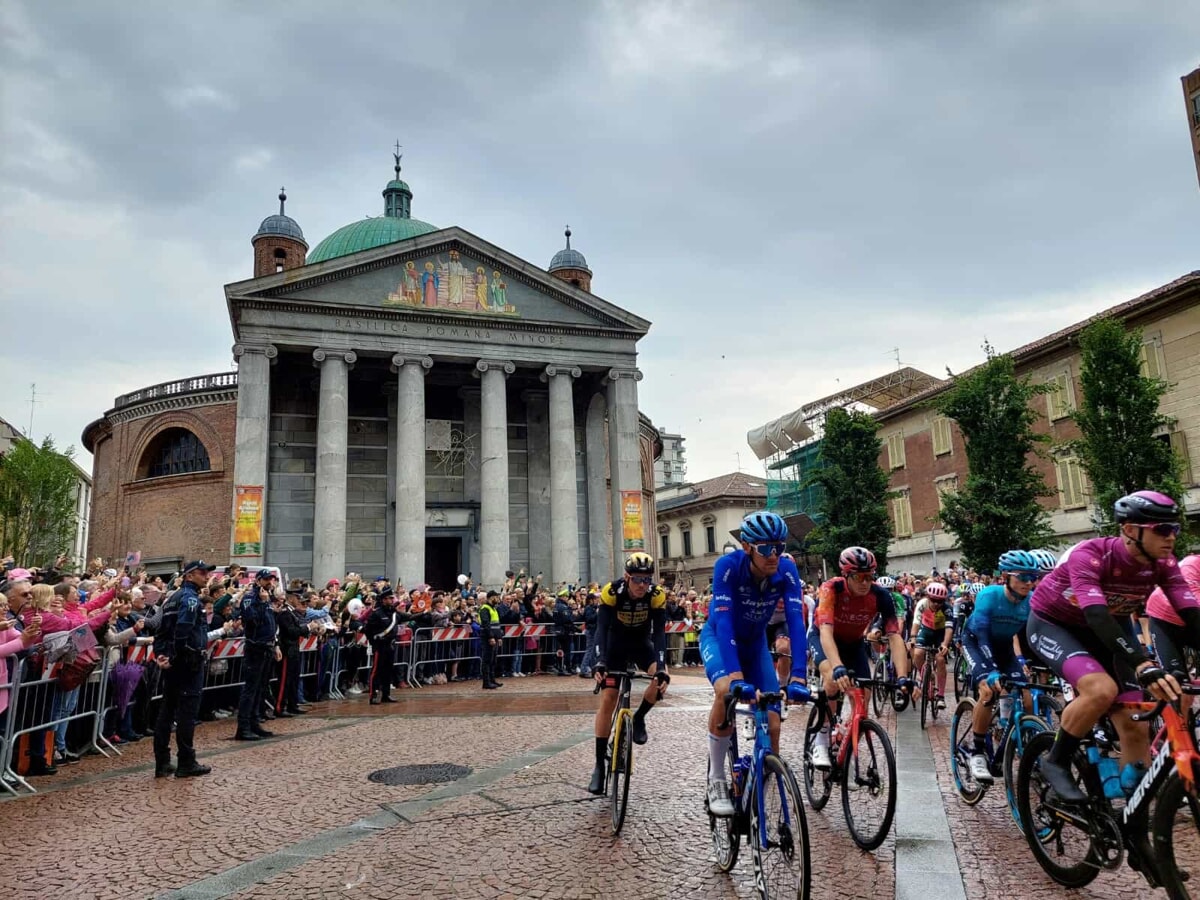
(640, 564)
(1145, 508)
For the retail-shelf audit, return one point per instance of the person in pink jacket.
(13, 641)
(95, 613)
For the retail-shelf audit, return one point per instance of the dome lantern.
(279, 243)
(569, 265)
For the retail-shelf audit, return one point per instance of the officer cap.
(196, 565)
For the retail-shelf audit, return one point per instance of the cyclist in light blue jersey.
(747, 586)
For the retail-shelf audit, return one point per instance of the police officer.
(179, 652)
(259, 655)
(490, 635)
(292, 628)
(380, 629)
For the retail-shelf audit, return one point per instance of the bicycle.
(1156, 844)
(927, 684)
(883, 672)
(860, 750)
(956, 662)
(618, 758)
(1005, 740)
(767, 808)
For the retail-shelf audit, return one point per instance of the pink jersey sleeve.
(1084, 567)
(1159, 605)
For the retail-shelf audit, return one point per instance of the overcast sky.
(786, 190)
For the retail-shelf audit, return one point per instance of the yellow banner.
(631, 519)
(247, 521)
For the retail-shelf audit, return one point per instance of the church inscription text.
(452, 332)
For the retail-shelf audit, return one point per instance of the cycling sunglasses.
(641, 579)
(1026, 577)
(775, 549)
(863, 576)
(1165, 529)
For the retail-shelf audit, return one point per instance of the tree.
(997, 509)
(853, 506)
(37, 502)
(1118, 420)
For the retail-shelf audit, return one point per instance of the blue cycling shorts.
(757, 666)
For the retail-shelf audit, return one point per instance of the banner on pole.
(247, 520)
(632, 520)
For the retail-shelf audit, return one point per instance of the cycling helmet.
(856, 559)
(1046, 559)
(640, 564)
(762, 527)
(935, 590)
(886, 581)
(975, 588)
(1018, 561)
(1145, 508)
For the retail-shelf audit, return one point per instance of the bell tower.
(279, 243)
(570, 266)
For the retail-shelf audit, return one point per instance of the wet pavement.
(297, 817)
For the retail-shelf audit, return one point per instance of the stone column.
(493, 468)
(410, 467)
(329, 507)
(624, 457)
(253, 433)
(564, 499)
(600, 545)
(537, 457)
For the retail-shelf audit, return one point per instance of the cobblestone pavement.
(299, 817)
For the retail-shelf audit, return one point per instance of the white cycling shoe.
(820, 756)
(719, 803)
(979, 769)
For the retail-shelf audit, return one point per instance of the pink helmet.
(936, 590)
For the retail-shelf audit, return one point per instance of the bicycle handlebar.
(631, 674)
(764, 698)
(1185, 688)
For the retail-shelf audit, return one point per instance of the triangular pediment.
(450, 272)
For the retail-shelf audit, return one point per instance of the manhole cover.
(424, 773)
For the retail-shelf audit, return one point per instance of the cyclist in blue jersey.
(990, 642)
(747, 585)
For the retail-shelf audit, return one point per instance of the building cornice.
(153, 407)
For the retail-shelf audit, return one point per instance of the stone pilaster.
(624, 456)
(493, 466)
(329, 507)
(564, 500)
(410, 467)
(253, 432)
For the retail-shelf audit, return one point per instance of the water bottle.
(1110, 772)
(1006, 705)
(1131, 777)
(739, 775)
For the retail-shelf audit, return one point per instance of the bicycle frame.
(1179, 747)
(762, 746)
(859, 698)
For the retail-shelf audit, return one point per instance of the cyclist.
(932, 630)
(845, 608)
(875, 632)
(1166, 625)
(630, 628)
(990, 643)
(1078, 627)
(747, 585)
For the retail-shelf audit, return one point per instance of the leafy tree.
(1118, 418)
(853, 505)
(997, 509)
(37, 502)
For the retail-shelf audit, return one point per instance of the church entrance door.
(443, 562)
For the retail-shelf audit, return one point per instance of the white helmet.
(886, 581)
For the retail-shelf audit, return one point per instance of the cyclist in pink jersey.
(1078, 627)
(1166, 625)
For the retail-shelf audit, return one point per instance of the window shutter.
(1152, 359)
(896, 450)
(1179, 446)
(1059, 401)
(1060, 479)
(1075, 482)
(941, 436)
(902, 513)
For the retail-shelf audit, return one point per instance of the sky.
(796, 194)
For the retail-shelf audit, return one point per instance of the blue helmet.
(1019, 561)
(1046, 559)
(761, 527)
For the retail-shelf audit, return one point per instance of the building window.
(902, 514)
(944, 486)
(1177, 441)
(895, 445)
(687, 543)
(664, 541)
(941, 436)
(1072, 484)
(1060, 402)
(1196, 110)
(1153, 365)
(176, 451)
(710, 539)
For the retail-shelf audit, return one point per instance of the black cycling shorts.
(1072, 652)
(622, 650)
(1003, 659)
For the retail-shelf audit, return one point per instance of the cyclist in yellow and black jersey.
(630, 628)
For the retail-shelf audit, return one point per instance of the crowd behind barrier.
(78, 673)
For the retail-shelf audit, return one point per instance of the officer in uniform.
(259, 655)
(380, 629)
(292, 627)
(491, 632)
(179, 652)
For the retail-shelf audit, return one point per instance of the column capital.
(270, 351)
(500, 365)
(323, 353)
(551, 371)
(616, 373)
(424, 362)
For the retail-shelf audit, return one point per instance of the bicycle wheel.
(818, 783)
(780, 835)
(962, 745)
(926, 688)
(879, 691)
(1176, 836)
(621, 770)
(1063, 849)
(869, 786)
(726, 839)
(1018, 740)
(962, 677)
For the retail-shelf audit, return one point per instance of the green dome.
(366, 234)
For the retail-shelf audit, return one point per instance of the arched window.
(176, 451)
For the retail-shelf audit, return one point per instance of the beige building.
(696, 521)
(924, 453)
(1191, 96)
